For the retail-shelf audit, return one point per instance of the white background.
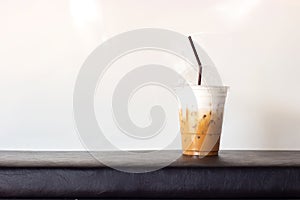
(255, 45)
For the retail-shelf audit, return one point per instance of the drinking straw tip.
(198, 60)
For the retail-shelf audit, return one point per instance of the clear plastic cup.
(201, 111)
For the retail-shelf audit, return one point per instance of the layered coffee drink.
(201, 119)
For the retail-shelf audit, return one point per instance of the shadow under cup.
(201, 111)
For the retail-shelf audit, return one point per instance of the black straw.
(198, 60)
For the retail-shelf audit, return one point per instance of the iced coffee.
(201, 119)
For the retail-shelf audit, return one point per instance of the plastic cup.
(201, 111)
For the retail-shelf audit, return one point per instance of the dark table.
(232, 174)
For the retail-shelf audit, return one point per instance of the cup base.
(200, 153)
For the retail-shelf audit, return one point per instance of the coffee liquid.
(201, 131)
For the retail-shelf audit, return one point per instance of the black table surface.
(232, 174)
(79, 159)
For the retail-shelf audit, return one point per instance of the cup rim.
(203, 87)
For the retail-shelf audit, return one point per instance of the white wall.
(254, 44)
